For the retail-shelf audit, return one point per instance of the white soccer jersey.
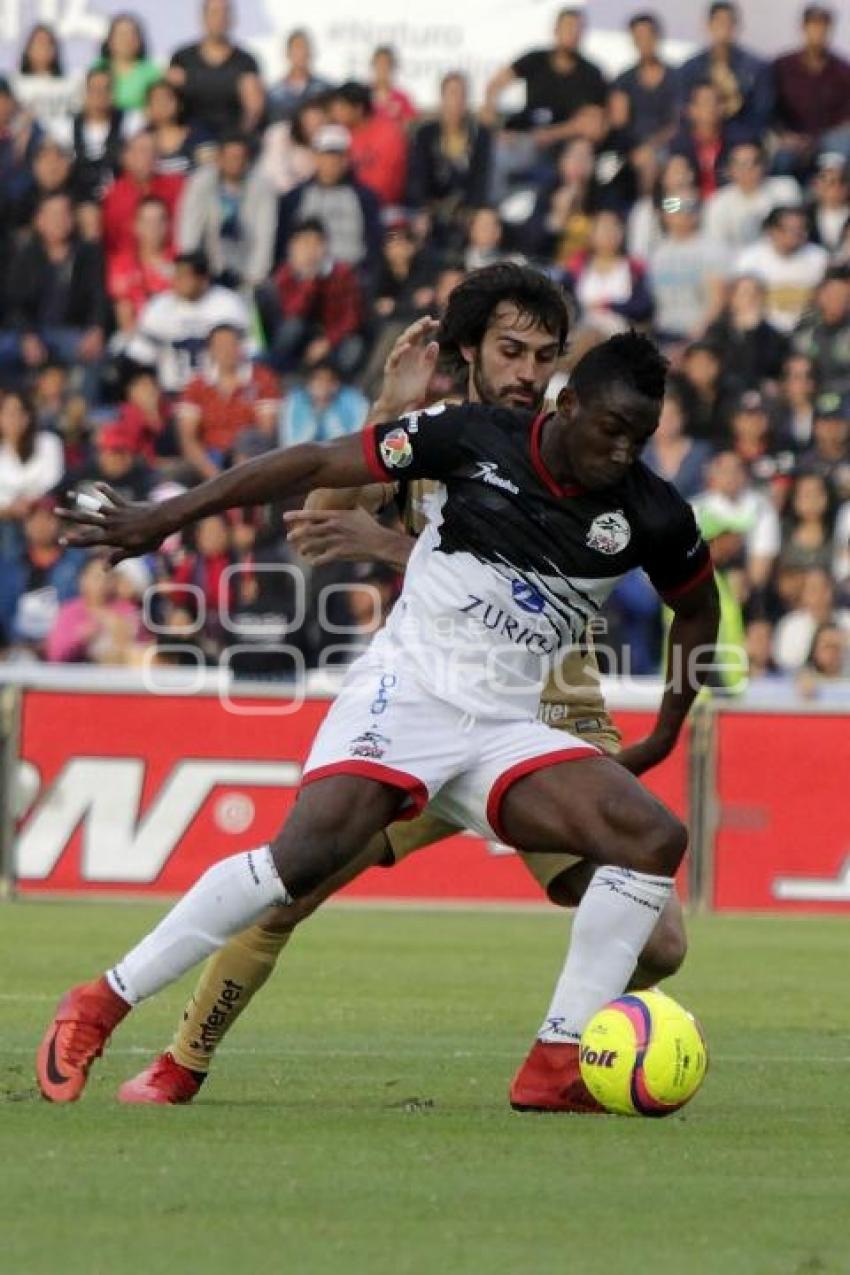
(172, 333)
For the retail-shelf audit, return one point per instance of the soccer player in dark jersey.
(540, 517)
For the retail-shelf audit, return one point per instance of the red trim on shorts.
(538, 462)
(506, 781)
(415, 789)
(706, 570)
(370, 454)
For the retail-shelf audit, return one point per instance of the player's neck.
(554, 450)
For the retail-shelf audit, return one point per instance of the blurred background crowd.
(198, 264)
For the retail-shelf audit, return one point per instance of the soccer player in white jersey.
(508, 578)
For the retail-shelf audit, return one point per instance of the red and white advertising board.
(135, 793)
(783, 812)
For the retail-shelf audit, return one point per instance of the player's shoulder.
(653, 497)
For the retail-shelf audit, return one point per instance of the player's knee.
(664, 845)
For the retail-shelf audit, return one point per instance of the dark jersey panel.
(503, 508)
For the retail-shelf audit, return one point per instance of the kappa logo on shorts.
(396, 451)
(609, 533)
(370, 744)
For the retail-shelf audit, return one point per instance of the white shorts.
(384, 726)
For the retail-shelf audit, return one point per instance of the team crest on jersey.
(609, 533)
(396, 451)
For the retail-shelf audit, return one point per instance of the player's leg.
(228, 983)
(332, 822)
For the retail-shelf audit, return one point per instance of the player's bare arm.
(696, 616)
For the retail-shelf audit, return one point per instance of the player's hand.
(339, 535)
(103, 518)
(646, 753)
(409, 368)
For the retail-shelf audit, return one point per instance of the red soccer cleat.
(164, 1081)
(85, 1018)
(550, 1080)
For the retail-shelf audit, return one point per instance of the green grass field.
(357, 1122)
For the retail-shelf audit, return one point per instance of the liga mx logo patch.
(609, 533)
(396, 451)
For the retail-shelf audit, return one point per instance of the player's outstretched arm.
(690, 655)
(131, 529)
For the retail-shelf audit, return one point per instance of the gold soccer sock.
(229, 980)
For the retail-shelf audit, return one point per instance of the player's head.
(612, 403)
(506, 325)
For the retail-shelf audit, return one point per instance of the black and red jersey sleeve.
(426, 444)
(676, 557)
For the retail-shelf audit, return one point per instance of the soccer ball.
(643, 1055)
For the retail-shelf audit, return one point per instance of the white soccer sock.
(226, 899)
(611, 925)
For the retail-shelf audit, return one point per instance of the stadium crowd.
(197, 265)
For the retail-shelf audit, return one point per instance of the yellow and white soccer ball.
(643, 1055)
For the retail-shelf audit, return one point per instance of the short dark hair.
(629, 359)
(196, 261)
(355, 94)
(387, 51)
(723, 6)
(654, 21)
(297, 33)
(472, 303)
(309, 226)
(699, 85)
(571, 11)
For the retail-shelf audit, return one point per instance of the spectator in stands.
(96, 135)
(794, 407)
(643, 105)
(51, 174)
(564, 98)
(812, 96)
(179, 147)
(829, 453)
(644, 228)
(314, 310)
(220, 81)
(97, 627)
(204, 568)
(139, 180)
(20, 138)
(769, 465)
(560, 224)
(823, 335)
(404, 286)
(449, 161)
(133, 277)
(230, 395)
(789, 266)
(388, 100)
(705, 137)
(299, 83)
(124, 53)
(378, 144)
(44, 91)
(31, 464)
(671, 452)
(146, 414)
(809, 524)
(707, 404)
(686, 273)
(795, 632)
(609, 286)
(729, 494)
(322, 409)
(36, 578)
(829, 656)
(742, 80)
(829, 213)
(229, 212)
(57, 303)
(484, 239)
(751, 349)
(173, 327)
(347, 210)
(287, 158)
(117, 461)
(735, 214)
